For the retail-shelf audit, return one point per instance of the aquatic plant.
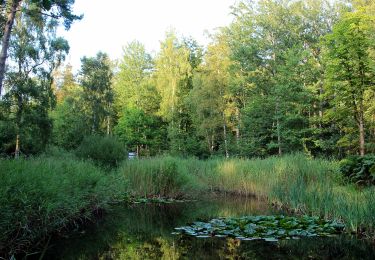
(158, 177)
(269, 228)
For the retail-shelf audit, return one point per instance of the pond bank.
(294, 182)
(44, 196)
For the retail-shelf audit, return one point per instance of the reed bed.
(294, 182)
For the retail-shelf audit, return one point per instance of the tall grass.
(46, 195)
(161, 176)
(307, 186)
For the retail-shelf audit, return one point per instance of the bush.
(359, 169)
(104, 151)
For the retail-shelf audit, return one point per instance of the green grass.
(161, 176)
(42, 196)
(294, 182)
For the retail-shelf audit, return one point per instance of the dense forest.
(284, 76)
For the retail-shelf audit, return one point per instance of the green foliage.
(359, 169)
(37, 52)
(69, 125)
(350, 73)
(45, 195)
(208, 99)
(270, 60)
(96, 77)
(141, 132)
(269, 228)
(58, 9)
(172, 70)
(133, 85)
(105, 151)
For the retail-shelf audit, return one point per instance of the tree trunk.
(238, 128)
(279, 137)
(361, 136)
(19, 118)
(6, 38)
(108, 125)
(278, 129)
(225, 137)
(321, 104)
(17, 151)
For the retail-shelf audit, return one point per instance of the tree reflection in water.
(143, 231)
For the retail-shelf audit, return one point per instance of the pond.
(144, 231)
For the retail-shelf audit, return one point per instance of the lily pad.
(269, 228)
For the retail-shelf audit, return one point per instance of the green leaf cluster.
(359, 169)
(268, 228)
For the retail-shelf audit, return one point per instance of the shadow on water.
(143, 231)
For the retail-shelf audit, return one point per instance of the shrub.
(359, 169)
(104, 151)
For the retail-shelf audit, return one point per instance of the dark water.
(143, 231)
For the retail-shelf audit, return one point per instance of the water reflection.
(143, 231)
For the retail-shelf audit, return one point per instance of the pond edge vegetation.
(51, 195)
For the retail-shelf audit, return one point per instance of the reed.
(294, 182)
(42, 196)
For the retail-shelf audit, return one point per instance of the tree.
(268, 60)
(36, 52)
(137, 102)
(173, 69)
(210, 97)
(141, 132)
(96, 81)
(351, 68)
(69, 119)
(133, 84)
(38, 12)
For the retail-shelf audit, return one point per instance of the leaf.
(270, 228)
(271, 239)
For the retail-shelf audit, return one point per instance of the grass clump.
(158, 177)
(42, 196)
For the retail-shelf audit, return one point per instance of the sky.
(108, 25)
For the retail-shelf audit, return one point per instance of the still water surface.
(143, 231)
